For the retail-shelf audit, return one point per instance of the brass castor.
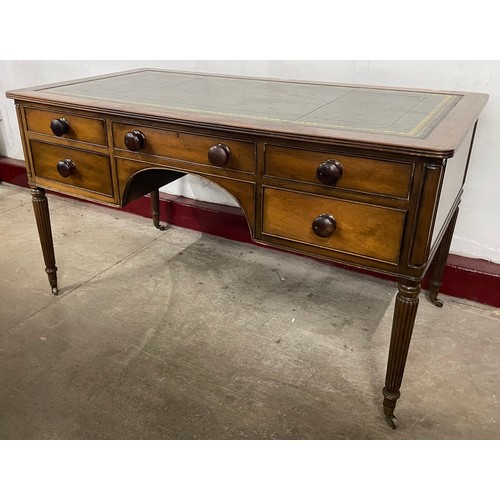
(392, 421)
(437, 302)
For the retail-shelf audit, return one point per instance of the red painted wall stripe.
(472, 279)
(13, 171)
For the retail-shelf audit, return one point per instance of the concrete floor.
(181, 335)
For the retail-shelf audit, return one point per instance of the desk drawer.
(91, 172)
(361, 229)
(81, 128)
(367, 175)
(188, 147)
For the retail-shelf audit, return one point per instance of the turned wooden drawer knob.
(329, 172)
(219, 155)
(59, 126)
(324, 225)
(66, 167)
(135, 141)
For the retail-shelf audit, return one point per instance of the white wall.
(478, 229)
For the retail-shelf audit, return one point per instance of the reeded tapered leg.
(155, 209)
(439, 262)
(42, 217)
(405, 312)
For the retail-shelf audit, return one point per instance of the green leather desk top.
(382, 111)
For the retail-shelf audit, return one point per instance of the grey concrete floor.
(181, 335)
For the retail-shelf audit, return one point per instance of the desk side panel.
(451, 190)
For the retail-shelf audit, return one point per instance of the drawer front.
(84, 129)
(361, 229)
(188, 147)
(366, 175)
(92, 172)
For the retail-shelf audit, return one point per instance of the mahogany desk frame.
(391, 206)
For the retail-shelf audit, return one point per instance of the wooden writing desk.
(367, 176)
